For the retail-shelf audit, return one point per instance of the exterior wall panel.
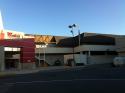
(54, 50)
(94, 48)
(98, 59)
(50, 59)
(27, 48)
(120, 45)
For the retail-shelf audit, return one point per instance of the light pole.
(73, 41)
(44, 47)
(73, 26)
(79, 35)
(39, 54)
(79, 43)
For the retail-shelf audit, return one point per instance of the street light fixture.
(74, 25)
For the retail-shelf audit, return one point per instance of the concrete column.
(2, 63)
(19, 65)
(88, 57)
(89, 54)
(80, 57)
(30, 65)
(34, 66)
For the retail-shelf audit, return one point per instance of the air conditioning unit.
(119, 61)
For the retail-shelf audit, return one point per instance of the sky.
(52, 17)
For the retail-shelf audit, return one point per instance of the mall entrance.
(12, 57)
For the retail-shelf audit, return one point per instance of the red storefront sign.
(13, 35)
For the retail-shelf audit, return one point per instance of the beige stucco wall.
(120, 45)
(89, 60)
(76, 49)
(53, 50)
(78, 58)
(95, 59)
(94, 48)
(50, 59)
(100, 59)
(2, 65)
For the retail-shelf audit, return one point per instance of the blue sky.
(52, 17)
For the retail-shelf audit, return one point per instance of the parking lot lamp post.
(79, 37)
(39, 54)
(73, 41)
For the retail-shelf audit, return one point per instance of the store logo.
(13, 35)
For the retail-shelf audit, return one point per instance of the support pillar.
(88, 57)
(2, 58)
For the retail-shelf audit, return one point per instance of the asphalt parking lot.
(87, 79)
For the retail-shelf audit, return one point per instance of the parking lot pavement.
(102, 69)
(40, 69)
(66, 86)
(52, 68)
(77, 79)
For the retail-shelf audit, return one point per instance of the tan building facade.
(120, 45)
(93, 49)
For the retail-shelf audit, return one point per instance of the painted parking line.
(51, 81)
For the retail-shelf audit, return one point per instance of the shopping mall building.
(27, 51)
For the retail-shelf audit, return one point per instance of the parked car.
(119, 61)
(57, 63)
